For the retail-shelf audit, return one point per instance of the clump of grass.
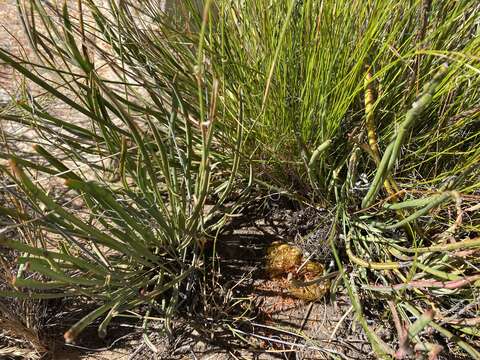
(133, 155)
(302, 68)
(339, 95)
(348, 105)
(336, 94)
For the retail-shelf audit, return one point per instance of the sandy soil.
(12, 39)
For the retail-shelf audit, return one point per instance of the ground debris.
(286, 261)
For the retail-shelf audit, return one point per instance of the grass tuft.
(345, 105)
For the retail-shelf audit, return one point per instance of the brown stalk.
(426, 284)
